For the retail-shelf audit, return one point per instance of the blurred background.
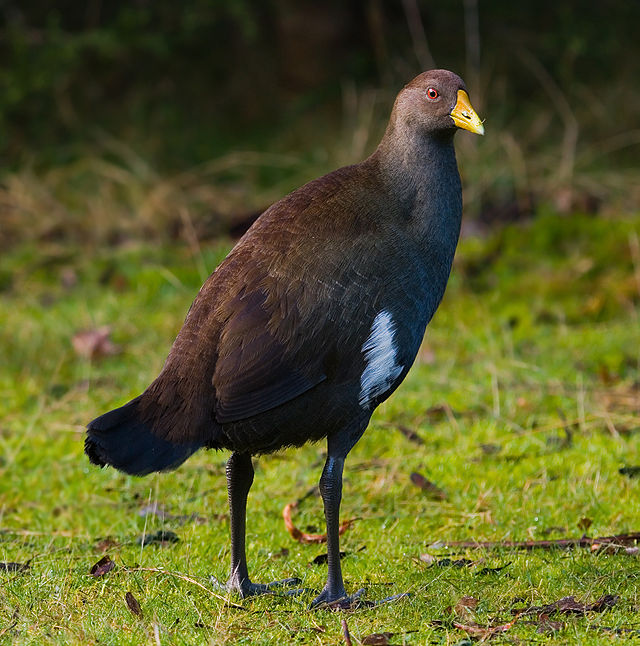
(169, 120)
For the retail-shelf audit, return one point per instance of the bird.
(313, 319)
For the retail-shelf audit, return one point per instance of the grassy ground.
(526, 396)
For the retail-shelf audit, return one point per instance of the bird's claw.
(323, 602)
(247, 588)
(327, 601)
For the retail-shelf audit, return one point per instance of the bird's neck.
(422, 174)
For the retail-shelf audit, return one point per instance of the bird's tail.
(123, 439)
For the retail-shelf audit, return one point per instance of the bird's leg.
(239, 481)
(334, 594)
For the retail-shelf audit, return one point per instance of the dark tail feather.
(120, 438)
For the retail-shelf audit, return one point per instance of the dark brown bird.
(312, 320)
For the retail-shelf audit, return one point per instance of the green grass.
(526, 394)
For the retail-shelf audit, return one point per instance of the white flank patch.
(380, 354)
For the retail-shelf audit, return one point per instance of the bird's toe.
(246, 588)
(337, 601)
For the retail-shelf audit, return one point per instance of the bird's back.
(271, 353)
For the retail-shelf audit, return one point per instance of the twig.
(345, 632)
(584, 541)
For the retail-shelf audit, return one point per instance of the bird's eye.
(432, 93)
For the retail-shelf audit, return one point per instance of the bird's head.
(437, 101)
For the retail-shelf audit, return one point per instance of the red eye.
(432, 93)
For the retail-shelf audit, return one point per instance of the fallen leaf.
(323, 558)
(133, 604)
(630, 472)
(485, 632)
(605, 602)
(161, 537)
(102, 567)
(432, 490)
(303, 537)
(584, 541)
(378, 639)
(465, 607)
(447, 562)
(546, 626)
(490, 449)
(94, 344)
(492, 570)
(410, 434)
(569, 606)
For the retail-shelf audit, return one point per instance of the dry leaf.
(630, 472)
(161, 537)
(94, 344)
(133, 604)
(447, 562)
(321, 559)
(569, 606)
(465, 607)
(432, 490)
(546, 626)
(378, 639)
(490, 449)
(492, 570)
(102, 567)
(303, 537)
(410, 434)
(485, 632)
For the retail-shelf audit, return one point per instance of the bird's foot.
(327, 601)
(247, 588)
(337, 600)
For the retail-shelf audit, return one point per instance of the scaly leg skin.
(239, 481)
(333, 594)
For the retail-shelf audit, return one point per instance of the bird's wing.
(263, 360)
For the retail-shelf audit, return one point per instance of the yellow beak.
(464, 116)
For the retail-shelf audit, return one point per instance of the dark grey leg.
(334, 593)
(239, 481)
